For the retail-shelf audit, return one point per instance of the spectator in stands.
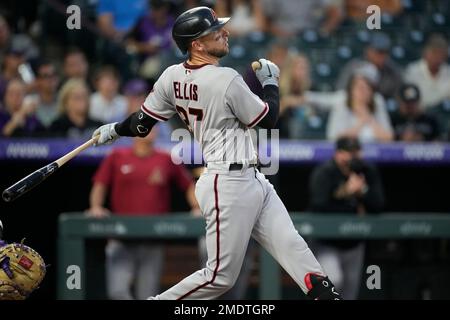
(246, 16)
(298, 119)
(153, 32)
(10, 68)
(431, 73)
(344, 185)
(5, 35)
(135, 91)
(117, 17)
(151, 37)
(287, 18)
(75, 65)
(20, 42)
(139, 180)
(376, 53)
(360, 116)
(184, 5)
(410, 122)
(73, 108)
(294, 81)
(45, 98)
(18, 119)
(106, 104)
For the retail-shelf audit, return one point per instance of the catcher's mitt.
(21, 271)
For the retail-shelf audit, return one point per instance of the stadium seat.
(438, 19)
(416, 36)
(259, 38)
(307, 123)
(344, 53)
(413, 6)
(240, 56)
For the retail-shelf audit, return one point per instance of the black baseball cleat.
(320, 287)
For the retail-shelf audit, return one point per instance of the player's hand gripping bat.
(266, 71)
(32, 180)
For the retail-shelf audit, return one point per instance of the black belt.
(239, 166)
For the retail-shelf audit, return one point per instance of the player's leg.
(203, 255)
(240, 287)
(352, 263)
(330, 260)
(275, 231)
(119, 270)
(229, 205)
(149, 270)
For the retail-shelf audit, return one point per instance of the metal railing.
(75, 228)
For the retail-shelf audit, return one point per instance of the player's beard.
(218, 53)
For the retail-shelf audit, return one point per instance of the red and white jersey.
(216, 105)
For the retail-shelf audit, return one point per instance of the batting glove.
(106, 134)
(268, 74)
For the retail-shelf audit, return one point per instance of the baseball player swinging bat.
(32, 180)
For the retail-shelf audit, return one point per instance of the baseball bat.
(256, 65)
(32, 180)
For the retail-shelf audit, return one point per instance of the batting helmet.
(193, 24)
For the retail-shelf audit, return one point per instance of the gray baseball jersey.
(219, 108)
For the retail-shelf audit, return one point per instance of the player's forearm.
(11, 126)
(381, 133)
(272, 98)
(374, 199)
(138, 124)
(97, 196)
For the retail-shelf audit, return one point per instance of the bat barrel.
(32, 180)
(29, 182)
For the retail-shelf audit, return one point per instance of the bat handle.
(76, 151)
(256, 65)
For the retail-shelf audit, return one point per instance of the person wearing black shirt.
(410, 123)
(345, 185)
(73, 121)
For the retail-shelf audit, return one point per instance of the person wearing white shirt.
(431, 73)
(360, 116)
(359, 111)
(106, 104)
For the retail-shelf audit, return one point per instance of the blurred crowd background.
(338, 76)
(338, 79)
